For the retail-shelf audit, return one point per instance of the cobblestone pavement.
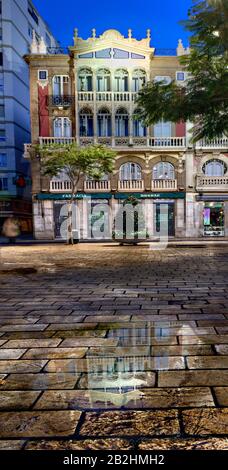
(108, 347)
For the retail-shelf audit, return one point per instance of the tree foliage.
(203, 100)
(74, 162)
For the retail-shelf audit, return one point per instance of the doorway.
(171, 217)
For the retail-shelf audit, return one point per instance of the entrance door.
(60, 217)
(98, 220)
(213, 217)
(171, 217)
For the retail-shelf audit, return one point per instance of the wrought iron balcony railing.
(57, 50)
(63, 101)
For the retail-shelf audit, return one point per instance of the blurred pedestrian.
(11, 229)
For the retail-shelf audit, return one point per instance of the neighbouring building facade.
(87, 95)
(19, 23)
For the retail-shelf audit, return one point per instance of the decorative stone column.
(180, 218)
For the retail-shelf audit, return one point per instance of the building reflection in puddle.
(117, 375)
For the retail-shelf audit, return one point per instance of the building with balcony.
(88, 95)
(19, 23)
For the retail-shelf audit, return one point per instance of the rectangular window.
(33, 13)
(42, 74)
(3, 160)
(48, 40)
(60, 85)
(1, 59)
(2, 135)
(162, 129)
(3, 183)
(180, 76)
(1, 84)
(163, 79)
(103, 54)
(30, 30)
(0, 34)
(2, 110)
(0, 7)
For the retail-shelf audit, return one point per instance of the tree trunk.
(70, 237)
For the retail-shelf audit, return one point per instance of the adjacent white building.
(19, 22)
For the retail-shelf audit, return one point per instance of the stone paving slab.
(38, 424)
(131, 423)
(114, 349)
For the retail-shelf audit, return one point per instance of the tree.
(130, 223)
(93, 161)
(203, 100)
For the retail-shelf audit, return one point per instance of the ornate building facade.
(88, 95)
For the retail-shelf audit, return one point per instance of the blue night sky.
(162, 16)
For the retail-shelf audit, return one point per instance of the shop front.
(161, 209)
(215, 217)
(93, 215)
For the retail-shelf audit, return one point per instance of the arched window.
(85, 80)
(130, 171)
(60, 85)
(164, 170)
(86, 122)
(214, 168)
(138, 79)
(103, 80)
(121, 80)
(162, 129)
(138, 129)
(104, 126)
(121, 122)
(62, 127)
